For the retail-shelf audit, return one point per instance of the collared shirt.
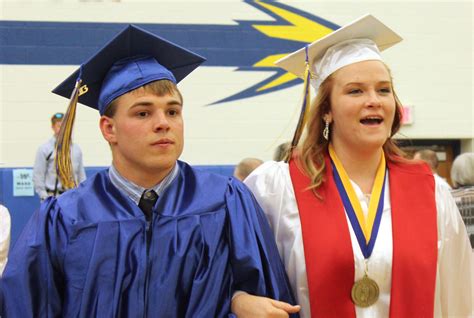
(464, 198)
(133, 191)
(44, 169)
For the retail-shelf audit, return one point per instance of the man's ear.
(107, 127)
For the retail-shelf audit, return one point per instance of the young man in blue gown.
(150, 236)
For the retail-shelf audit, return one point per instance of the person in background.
(245, 167)
(45, 179)
(362, 231)
(281, 151)
(462, 175)
(150, 236)
(5, 228)
(430, 157)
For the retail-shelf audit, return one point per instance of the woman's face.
(362, 106)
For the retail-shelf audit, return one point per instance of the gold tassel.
(304, 114)
(63, 143)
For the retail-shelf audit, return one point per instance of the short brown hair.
(159, 88)
(246, 166)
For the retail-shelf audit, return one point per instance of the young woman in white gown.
(362, 231)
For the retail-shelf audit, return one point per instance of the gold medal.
(365, 292)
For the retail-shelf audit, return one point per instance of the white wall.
(432, 69)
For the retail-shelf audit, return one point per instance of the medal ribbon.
(365, 229)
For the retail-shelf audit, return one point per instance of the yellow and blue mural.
(248, 45)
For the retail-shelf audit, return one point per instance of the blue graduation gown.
(89, 253)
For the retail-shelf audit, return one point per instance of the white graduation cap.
(360, 40)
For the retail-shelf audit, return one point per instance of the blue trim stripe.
(240, 46)
(70, 43)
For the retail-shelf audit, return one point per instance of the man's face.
(145, 134)
(56, 127)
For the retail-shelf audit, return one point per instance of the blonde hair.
(314, 147)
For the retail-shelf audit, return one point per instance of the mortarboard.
(360, 40)
(357, 41)
(133, 58)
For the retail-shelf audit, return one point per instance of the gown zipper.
(149, 233)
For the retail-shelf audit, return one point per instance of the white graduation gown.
(272, 187)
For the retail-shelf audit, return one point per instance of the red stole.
(328, 249)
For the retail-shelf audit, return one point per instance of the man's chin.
(161, 165)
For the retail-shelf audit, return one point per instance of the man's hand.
(249, 306)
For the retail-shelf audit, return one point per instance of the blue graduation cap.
(133, 58)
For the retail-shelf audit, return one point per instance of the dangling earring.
(326, 130)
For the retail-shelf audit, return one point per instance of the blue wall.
(21, 208)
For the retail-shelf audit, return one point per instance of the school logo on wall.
(266, 42)
(247, 45)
